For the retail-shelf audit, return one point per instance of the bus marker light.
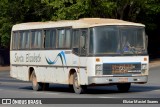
(145, 59)
(97, 59)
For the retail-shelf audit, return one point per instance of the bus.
(80, 53)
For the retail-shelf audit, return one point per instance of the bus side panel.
(20, 72)
(51, 75)
(91, 66)
(82, 72)
(13, 72)
(83, 76)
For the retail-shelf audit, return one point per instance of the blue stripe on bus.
(61, 55)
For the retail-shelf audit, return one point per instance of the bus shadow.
(113, 89)
(138, 88)
(90, 90)
(52, 88)
(60, 88)
(98, 89)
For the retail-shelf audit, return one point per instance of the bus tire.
(45, 86)
(37, 86)
(78, 89)
(124, 87)
(71, 88)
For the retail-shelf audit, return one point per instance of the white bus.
(80, 53)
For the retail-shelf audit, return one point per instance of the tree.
(13, 12)
(150, 16)
(142, 11)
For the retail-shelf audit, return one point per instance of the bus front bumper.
(93, 80)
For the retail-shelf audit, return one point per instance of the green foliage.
(150, 16)
(13, 12)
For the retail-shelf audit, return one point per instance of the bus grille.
(121, 68)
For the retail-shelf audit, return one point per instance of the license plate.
(123, 79)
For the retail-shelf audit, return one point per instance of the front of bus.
(120, 53)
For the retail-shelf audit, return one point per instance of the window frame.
(85, 42)
(42, 39)
(75, 50)
(64, 28)
(29, 34)
(13, 40)
(42, 47)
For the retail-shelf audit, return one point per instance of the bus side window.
(15, 40)
(68, 38)
(50, 38)
(27, 43)
(61, 38)
(83, 36)
(36, 42)
(21, 42)
(75, 42)
(24, 40)
(47, 38)
(53, 38)
(64, 38)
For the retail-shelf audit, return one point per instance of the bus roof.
(81, 23)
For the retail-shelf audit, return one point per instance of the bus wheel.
(37, 86)
(71, 88)
(78, 89)
(45, 86)
(124, 87)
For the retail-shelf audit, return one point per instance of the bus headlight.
(144, 66)
(99, 68)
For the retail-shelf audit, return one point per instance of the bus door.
(83, 47)
(79, 47)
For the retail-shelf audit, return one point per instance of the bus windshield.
(122, 40)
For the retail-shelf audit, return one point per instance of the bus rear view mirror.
(146, 41)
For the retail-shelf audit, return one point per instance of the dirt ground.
(4, 68)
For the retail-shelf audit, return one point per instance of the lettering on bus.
(33, 58)
(18, 58)
(27, 58)
(122, 68)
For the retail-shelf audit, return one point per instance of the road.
(12, 88)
